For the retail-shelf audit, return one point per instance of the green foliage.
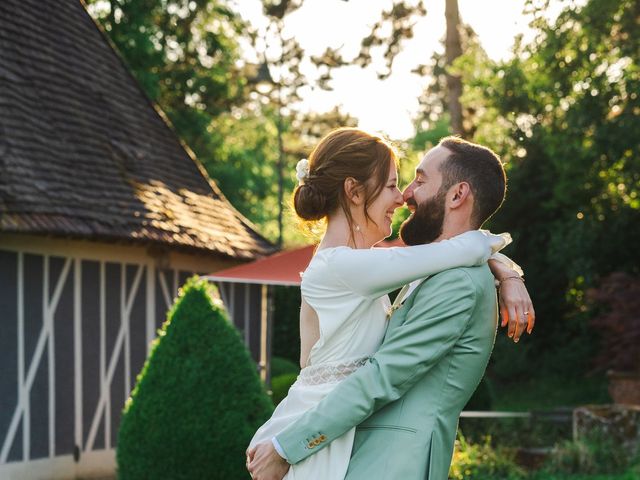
(594, 460)
(242, 158)
(549, 391)
(428, 138)
(536, 432)
(480, 461)
(282, 366)
(400, 215)
(280, 386)
(482, 398)
(197, 401)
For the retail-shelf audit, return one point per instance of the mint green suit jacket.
(407, 400)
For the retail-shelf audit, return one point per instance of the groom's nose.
(408, 192)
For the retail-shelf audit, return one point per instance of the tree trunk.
(453, 49)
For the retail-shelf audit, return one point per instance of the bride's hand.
(516, 307)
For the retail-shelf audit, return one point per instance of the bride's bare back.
(309, 331)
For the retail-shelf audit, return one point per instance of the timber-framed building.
(103, 215)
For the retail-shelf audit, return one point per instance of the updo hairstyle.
(343, 153)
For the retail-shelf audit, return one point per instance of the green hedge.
(286, 328)
(198, 399)
(280, 386)
(282, 366)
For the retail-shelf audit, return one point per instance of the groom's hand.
(264, 463)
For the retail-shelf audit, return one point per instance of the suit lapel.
(412, 288)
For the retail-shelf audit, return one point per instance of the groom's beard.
(426, 223)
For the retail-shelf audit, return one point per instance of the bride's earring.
(357, 229)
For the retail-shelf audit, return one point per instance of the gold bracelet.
(515, 277)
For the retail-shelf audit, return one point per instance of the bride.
(350, 181)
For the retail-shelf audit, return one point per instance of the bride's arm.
(516, 308)
(374, 272)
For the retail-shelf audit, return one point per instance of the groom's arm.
(440, 312)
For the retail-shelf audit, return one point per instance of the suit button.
(311, 445)
(323, 438)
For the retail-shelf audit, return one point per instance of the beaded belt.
(329, 372)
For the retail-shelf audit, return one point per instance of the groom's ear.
(459, 194)
(353, 191)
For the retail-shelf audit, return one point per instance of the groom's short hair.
(481, 168)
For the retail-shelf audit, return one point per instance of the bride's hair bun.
(309, 202)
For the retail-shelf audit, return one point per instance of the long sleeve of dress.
(374, 272)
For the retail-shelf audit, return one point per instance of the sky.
(388, 106)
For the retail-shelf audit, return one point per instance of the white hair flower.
(302, 171)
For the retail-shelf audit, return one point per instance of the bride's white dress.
(347, 289)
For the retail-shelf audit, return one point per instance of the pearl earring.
(357, 228)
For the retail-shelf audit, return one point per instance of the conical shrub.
(197, 401)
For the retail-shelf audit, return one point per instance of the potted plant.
(618, 301)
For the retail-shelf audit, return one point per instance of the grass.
(630, 475)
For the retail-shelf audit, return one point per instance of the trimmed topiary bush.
(197, 401)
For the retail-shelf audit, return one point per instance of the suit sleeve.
(377, 271)
(439, 315)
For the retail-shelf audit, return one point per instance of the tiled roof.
(84, 153)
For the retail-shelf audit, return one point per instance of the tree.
(400, 21)
(453, 49)
(435, 119)
(394, 27)
(563, 112)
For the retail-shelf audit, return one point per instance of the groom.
(406, 401)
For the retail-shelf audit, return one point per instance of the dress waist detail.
(329, 372)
